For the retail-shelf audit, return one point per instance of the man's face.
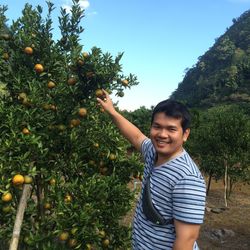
(167, 135)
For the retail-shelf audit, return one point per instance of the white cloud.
(84, 4)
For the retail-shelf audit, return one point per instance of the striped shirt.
(178, 191)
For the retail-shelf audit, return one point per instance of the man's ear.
(186, 134)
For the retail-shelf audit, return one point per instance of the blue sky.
(160, 39)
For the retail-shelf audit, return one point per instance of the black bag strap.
(149, 209)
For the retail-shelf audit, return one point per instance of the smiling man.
(171, 207)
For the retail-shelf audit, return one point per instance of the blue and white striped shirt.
(178, 191)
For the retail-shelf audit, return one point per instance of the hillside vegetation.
(222, 74)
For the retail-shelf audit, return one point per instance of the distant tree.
(141, 118)
(221, 144)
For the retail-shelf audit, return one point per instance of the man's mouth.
(162, 142)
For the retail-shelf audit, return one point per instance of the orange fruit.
(39, 68)
(105, 242)
(72, 242)
(80, 62)
(85, 54)
(51, 85)
(102, 234)
(28, 50)
(72, 81)
(6, 197)
(52, 181)
(74, 122)
(25, 131)
(53, 107)
(125, 82)
(99, 93)
(22, 96)
(6, 56)
(28, 179)
(112, 157)
(63, 236)
(18, 179)
(82, 112)
(47, 205)
(67, 198)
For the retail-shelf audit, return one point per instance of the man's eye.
(156, 126)
(172, 129)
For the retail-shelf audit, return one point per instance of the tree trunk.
(19, 217)
(209, 182)
(225, 186)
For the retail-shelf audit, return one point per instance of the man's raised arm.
(127, 129)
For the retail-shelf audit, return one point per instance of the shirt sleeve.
(189, 199)
(145, 147)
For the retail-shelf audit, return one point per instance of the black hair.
(173, 109)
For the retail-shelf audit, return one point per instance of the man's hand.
(106, 103)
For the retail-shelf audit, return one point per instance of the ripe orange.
(102, 234)
(80, 62)
(47, 205)
(74, 122)
(25, 131)
(18, 179)
(52, 181)
(28, 179)
(82, 112)
(99, 93)
(22, 96)
(64, 236)
(53, 107)
(72, 242)
(51, 85)
(125, 82)
(85, 54)
(105, 242)
(28, 50)
(112, 157)
(39, 68)
(72, 81)
(6, 197)
(67, 198)
(6, 56)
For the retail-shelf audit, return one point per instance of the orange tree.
(56, 138)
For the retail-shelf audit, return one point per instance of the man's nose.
(163, 133)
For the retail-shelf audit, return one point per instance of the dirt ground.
(226, 228)
(235, 219)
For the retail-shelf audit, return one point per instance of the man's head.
(175, 110)
(169, 129)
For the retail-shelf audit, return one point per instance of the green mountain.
(222, 74)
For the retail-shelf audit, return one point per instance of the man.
(176, 185)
